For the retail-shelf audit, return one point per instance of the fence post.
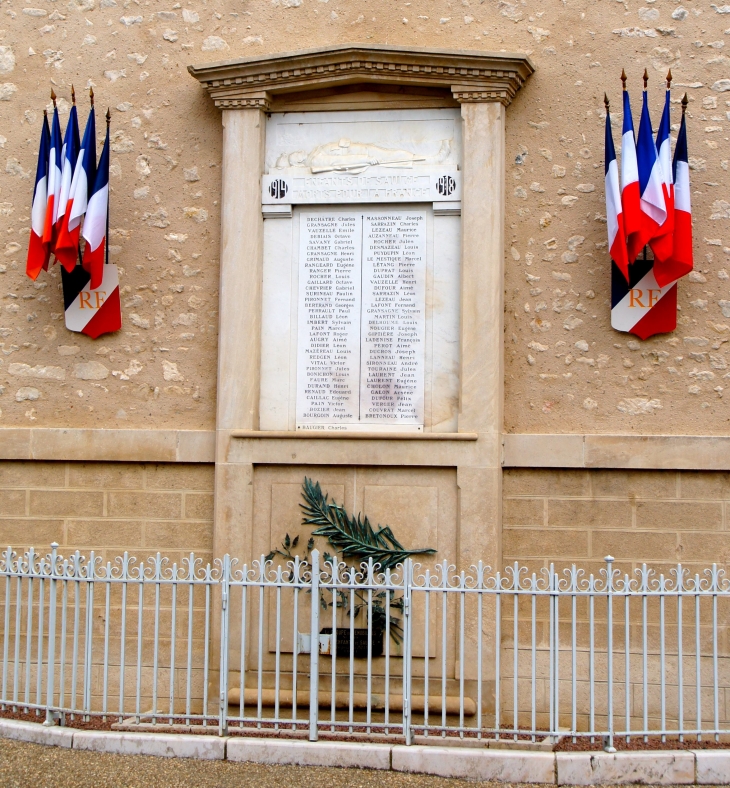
(407, 649)
(314, 652)
(608, 743)
(50, 676)
(223, 676)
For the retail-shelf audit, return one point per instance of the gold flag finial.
(607, 103)
(685, 101)
(646, 78)
(623, 78)
(91, 96)
(73, 94)
(669, 79)
(108, 117)
(53, 97)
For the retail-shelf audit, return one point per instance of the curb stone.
(300, 753)
(35, 733)
(664, 767)
(491, 765)
(164, 745)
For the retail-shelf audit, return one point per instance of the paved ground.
(23, 765)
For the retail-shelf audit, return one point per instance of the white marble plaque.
(328, 359)
(393, 317)
(361, 317)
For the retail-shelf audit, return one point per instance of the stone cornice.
(470, 75)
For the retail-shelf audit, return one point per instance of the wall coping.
(100, 445)
(470, 75)
(638, 452)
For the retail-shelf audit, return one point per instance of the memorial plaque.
(328, 359)
(362, 285)
(393, 317)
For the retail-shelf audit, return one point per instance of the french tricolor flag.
(95, 223)
(630, 194)
(50, 231)
(39, 252)
(614, 211)
(69, 154)
(84, 174)
(682, 260)
(662, 244)
(651, 179)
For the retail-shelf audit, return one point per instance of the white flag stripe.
(66, 179)
(95, 222)
(665, 159)
(652, 198)
(629, 166)
(613, 201)
(38, 211)
(54, 183)
(637, 303)
(79, 191)
(681, 188)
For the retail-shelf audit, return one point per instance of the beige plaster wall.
(108, 508)
(567, 370)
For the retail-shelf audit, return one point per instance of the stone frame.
(483, 83)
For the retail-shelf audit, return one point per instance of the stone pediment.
(469, 75)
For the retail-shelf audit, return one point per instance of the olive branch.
(352, 536)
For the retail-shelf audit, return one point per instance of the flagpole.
(106, 261)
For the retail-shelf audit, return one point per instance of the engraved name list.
(362, 289)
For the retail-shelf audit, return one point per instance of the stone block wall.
(108, 508)
(561, 517)
(664, 517)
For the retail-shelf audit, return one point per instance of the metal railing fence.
(325, 649)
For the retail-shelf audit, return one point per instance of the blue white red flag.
(67, 245)
(630, 194)
(69, 154)
(653, 206)
(95, 223)
(662, 244)
(614, 211)
(50, 231)
(38, 252)
(682, 260)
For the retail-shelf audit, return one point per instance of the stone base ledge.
(100, 445)
(637, 452)
(633, 452)
(663, 767)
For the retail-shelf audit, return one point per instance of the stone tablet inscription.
(393, 317)
(328, 361)
(362, 292)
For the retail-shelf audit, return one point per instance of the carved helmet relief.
(345, 155)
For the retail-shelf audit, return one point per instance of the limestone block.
(713, 767)
(482, 765)
(161, 745)
(654, 768)
(678, 515)
(66, 503)
(145, 504)
(585, 513)
(546, 481)
(331, 754)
